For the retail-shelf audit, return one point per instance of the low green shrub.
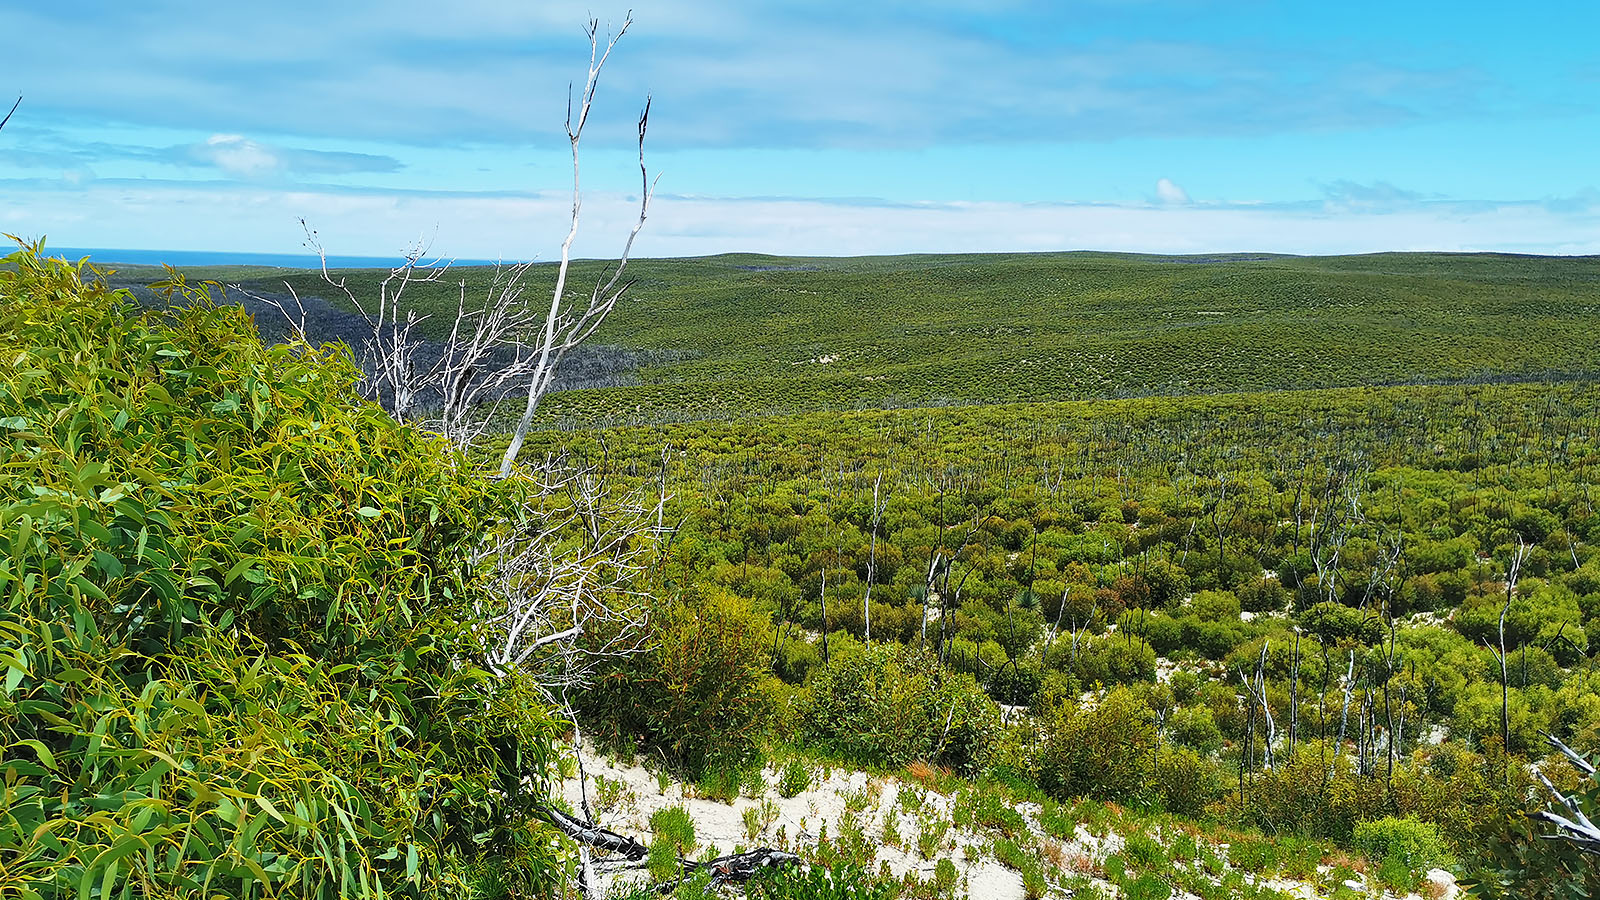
(1252, 854)
(1414, 844)
(1187, 782)
(1144, 851)
(674, 825)
(1146, 887)
(700, 696)
(1105, 751)
(890, 705)
(993, 810)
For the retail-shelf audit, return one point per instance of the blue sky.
(814, 128)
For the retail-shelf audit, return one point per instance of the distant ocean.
(104, 256)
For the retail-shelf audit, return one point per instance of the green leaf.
(43, 752)
(271, 810)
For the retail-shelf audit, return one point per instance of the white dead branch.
(566, 327)
(1578, 830)
(500, 344)
(563, 584)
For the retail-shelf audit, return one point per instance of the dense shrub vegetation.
(1308, 619)
(1353, 544)
(233, 637)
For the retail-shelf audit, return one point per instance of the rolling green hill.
(758, 334)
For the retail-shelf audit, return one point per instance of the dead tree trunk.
(1344, 710)
(1294, 696)
(825, 659)
(872, 560)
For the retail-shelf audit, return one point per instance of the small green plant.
(1144, 851)
(1394, 872)
(794, 779)
(1034, 883)
(992, 810)
(1057, 821)
(945, 876)
(610, 795)
(852, 843)
(859, 800)
(910, 799)
(752, 783)
(839, 881)
(674, 825)
(1010, 855)
(931, 836)
(759, 818)
(1079, 887)
(1146, 887)
(1254, 854)
(1183, 848)
(663, 863)
(1299, 858)
(891, 827)
(719, 783)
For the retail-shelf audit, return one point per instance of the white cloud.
(256, 219)
(1171, 193)
(243, 158)
(725, 73)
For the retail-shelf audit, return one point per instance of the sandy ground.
(795, 823)
(798, 823)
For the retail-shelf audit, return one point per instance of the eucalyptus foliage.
(235, 641)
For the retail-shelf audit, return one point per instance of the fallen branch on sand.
(735, 868)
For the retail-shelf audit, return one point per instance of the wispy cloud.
(239, 156)
(1167, 191)
(1378, 197)
(809, 125)
(229, 155)
(242, 217)
(725, 74)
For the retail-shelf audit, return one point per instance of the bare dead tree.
(1513, 570)
(825, 658)
(562, 569)
(500, 344)
(1256, 688)
(872, 558)
(567, 327)
(1294, 696)
(1344, 710)
(390, 368)
(12, 112)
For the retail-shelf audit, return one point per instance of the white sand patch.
(917, 818)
